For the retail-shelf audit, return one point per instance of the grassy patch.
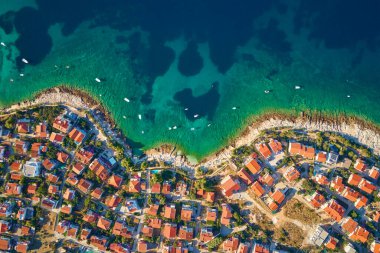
(295, 209)
(290, 235)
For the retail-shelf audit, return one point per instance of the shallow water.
(177, 59)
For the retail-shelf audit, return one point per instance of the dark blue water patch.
(340, 23)
(203, 105)
(274, 38)
(150, 115)
(190, 61)
(6, 21)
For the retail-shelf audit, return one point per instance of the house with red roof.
(375, 246)
(100, 242)
(334, 210)
(231, 244)
(134, 185)
(367, 186)
(155, 223)
(291, 174)
(354, 179)
(84, 185)
(77, 135)
(5, 243)
(264, 150)
(186, 213)
(97, 193)
(253, 166)
(85, 233)
(153, 210)
(169, 231)
(121, 229)
(23, 126)
(156, 188)
(169, 211)
(337, 184)
(41, 130)
(296, 148)
(78, 168)
(186, 233)
(321, 157)
(317, 200)
(225, 218)
(62, 125)
(257, 189)
(245, 177)
(166, 188)
(206, 234)
(99, 169)
(84, 155)
(321, 179)
(211, 214)
(69, 194)
(90, 217)
(113, 201)
(56, 138)
(229, 185)
(260, 248)
(374, 173)
(275, 146)
(13, 189)
(267, 179)
(104, 223)
(360, 165)
(22, 246)
(115, 181)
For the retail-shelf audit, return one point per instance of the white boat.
(186, 109)
(11, 80)
(126, 100)
(139, 116)
(21, 74)
(192, 129)
(196, 115)
(24, 60)
(142, 132)
(170, 128)
(124, 117)
(234, 108)
(3, 44)
(67, 66)
(98, 80)
(266, 91)
(100, 95)
(208, 125)
(297, 87)
(175, 127)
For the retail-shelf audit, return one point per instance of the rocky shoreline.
(360, 130)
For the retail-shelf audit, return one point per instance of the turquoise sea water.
(213, 59)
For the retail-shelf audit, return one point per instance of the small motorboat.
(126, 100)
(348, 96)
(175, 127)
(297, 87)
(11, 80)
(142, 132)
(192, 129)
(24, 60)
(266, 91)
(98, 80)
(170, 128)
(21, 74)
(3, 44)
(209, 125)
(139, 116)
(124, 117)
(196, 115)
(234, 108)
(186, 109)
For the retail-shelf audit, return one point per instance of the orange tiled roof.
(245, 176)
(291, 174)
(115, 181)
(278, 197)
(104, 223)
(264, 150)
(349, 225)
(321, 157)
(317, 200)
(360, 165)
(257, 189)
(354, 179)
(335, 210)
(275, 145)
(253, 166)
(374, 173)
(169, 231)
(267, 179)
(229, 185)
